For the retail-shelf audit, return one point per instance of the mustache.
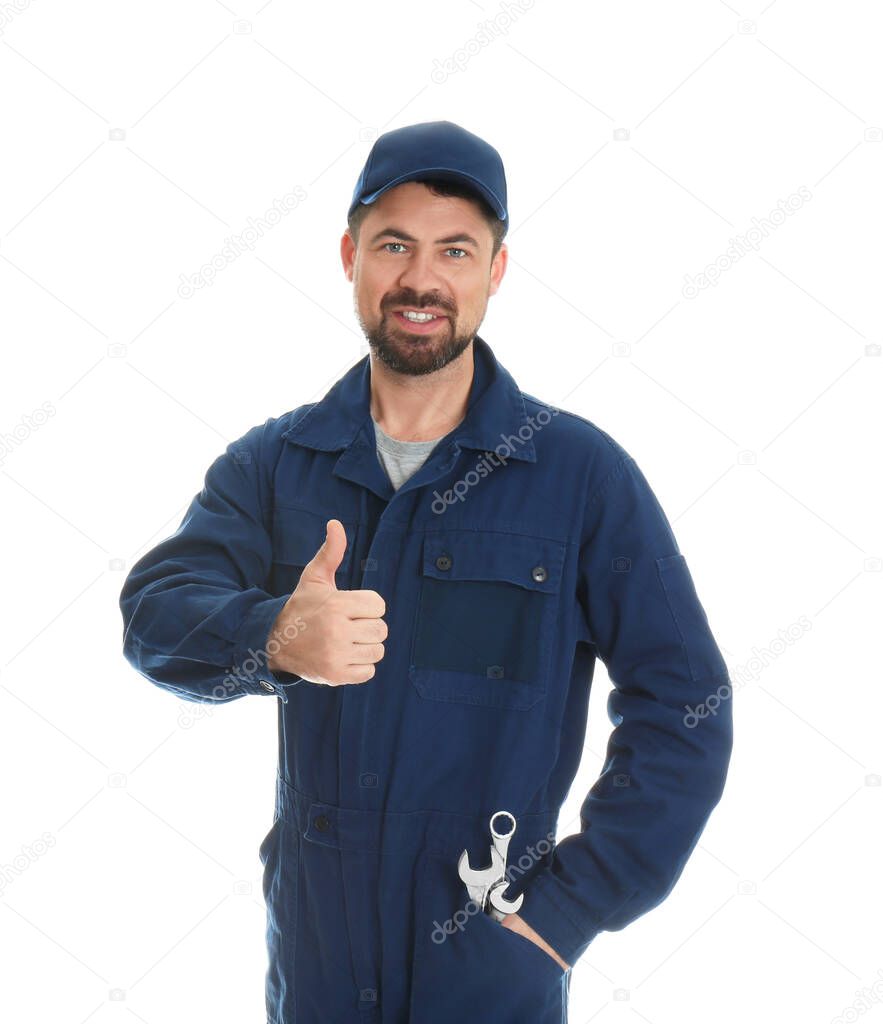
(409, 303)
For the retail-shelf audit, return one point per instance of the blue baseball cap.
(433, 149)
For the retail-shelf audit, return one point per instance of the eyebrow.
(403, 236)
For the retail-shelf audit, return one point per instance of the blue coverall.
(528, 544)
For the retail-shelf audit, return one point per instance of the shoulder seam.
(599, 431)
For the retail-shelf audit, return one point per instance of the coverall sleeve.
(671, 708)
(196, 614)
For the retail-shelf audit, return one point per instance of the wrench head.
(500, 903)
(481, 876)
(476, 884)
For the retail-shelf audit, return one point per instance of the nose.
(420, 274)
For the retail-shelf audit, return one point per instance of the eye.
(386, 246)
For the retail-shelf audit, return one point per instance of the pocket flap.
(704, 658)
(298, 534)
(535, 563)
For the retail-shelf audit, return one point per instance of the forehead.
(412, 207)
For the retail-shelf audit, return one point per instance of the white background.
(639, 140)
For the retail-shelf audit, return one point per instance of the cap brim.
(446, 174)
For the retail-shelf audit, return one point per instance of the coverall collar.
(494, 413)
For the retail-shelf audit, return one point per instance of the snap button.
(266, 685)
(368, 995)
(539, 573)
(495, 671)
(444, 562)
(322, 823)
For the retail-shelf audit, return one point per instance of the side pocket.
(465, 962)
(704, 659)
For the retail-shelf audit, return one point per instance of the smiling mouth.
(418, 326)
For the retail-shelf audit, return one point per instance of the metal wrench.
(487, 885)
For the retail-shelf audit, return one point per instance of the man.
(423, 567)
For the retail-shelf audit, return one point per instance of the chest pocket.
(484, 625)
(298, 534)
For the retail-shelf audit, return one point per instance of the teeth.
(418, 317)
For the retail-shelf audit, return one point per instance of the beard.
(415, 354)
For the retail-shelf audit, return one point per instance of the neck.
(425, 407)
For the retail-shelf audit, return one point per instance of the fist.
(326, 635)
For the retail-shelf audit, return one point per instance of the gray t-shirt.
(401, 459)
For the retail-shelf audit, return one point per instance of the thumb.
(327, 559)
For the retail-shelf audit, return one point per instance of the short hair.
(444, 188)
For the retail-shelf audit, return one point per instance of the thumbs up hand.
(328, 635)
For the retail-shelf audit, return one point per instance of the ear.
(498, 268)
(348, 254)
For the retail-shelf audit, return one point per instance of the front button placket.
(393, 551)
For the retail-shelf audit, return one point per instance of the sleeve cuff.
(249, 669)
(541, 911)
